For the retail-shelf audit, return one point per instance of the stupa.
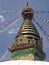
(28, 44)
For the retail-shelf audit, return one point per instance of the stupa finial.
(27, 4)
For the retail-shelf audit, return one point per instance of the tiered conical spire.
(27, 40)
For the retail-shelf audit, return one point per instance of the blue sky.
(6, 39)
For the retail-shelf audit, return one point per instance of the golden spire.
(27, 37)
(27, 29)
(27, 6)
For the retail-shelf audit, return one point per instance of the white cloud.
(13, 31)
(2, 18)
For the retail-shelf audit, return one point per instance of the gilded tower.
(28, 44)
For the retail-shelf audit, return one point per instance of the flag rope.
(3, 55)
(1, 31)
(45, 33)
